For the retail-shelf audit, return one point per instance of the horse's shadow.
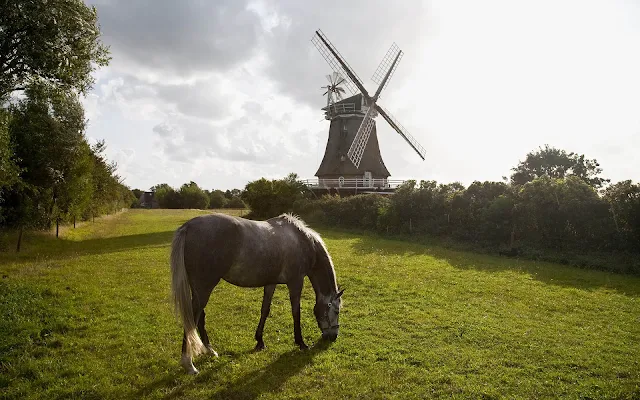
(251, 385)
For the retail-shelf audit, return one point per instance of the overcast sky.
(225, 92)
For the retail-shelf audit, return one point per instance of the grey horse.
(247, 253)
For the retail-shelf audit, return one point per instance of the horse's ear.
(339, 293)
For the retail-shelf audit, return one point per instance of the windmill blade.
(388, 64)
(362, 137)
(402, 131)
(337, 63)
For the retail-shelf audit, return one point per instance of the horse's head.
(327, 313)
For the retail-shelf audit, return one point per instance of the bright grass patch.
(88, 316)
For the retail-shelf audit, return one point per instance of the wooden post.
(74, 222)
(19, 240)
(57, 226)
(410, 227)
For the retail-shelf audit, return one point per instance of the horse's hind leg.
(199, 300)
(264, 313)
(204, 336)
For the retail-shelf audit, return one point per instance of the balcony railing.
(340, 108)
(353, 183)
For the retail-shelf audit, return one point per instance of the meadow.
(88, 316)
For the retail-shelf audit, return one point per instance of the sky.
(226, 92)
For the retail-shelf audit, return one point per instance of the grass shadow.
(547, 272)
(56, 249)
(251, 385)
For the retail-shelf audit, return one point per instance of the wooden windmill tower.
(352, 155)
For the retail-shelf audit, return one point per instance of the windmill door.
(367, 179)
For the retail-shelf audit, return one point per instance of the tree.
(235, 202)
(193, 197)
(217, 199)
(624, 201)
(269, 198)
(555, 163)
(47, 128)
(56, 41)
(9, 171)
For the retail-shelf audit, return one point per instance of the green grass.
(88, 316)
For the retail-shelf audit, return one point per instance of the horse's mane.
(314, 237)
(301, 225)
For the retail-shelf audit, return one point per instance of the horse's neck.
(323, 279)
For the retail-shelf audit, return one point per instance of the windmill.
(353, 130)
(334, 88)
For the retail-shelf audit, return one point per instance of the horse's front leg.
(295, 291)
(264, 313)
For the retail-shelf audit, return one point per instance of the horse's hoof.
(193, 372)
(259, 347)
(303, 346)
(211, 351)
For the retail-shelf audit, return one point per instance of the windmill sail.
(337, 63)
(388, 63)
(403, 132)
(360, 140)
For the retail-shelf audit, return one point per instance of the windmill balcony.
(333, 110)
(352, 183)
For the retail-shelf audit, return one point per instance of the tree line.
(555, 206)
(190, 195)
(49, 172)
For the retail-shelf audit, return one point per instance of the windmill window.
(344, 127)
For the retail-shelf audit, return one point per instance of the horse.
(249, 253)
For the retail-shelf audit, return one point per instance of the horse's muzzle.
(331, 335)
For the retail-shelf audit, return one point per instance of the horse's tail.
(182, 293)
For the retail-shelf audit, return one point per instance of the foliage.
(361, 212)
(235, 202)
(558, 215)
(56, 41)
(624, 202)
(9, 171)
(556, 163)
(418, 321)
(217, 199)
(269, 198)
(61, 176)
(193, 197)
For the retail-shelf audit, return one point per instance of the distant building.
(148, 200)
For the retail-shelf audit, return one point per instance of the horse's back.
(245, 252)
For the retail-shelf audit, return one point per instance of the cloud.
(179, 38)
(362, 31)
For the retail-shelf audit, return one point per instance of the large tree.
(555, 163)
(56, 41)
(47, 128)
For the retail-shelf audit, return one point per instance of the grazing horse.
(246, 253)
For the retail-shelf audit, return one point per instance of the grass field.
(88, 316)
